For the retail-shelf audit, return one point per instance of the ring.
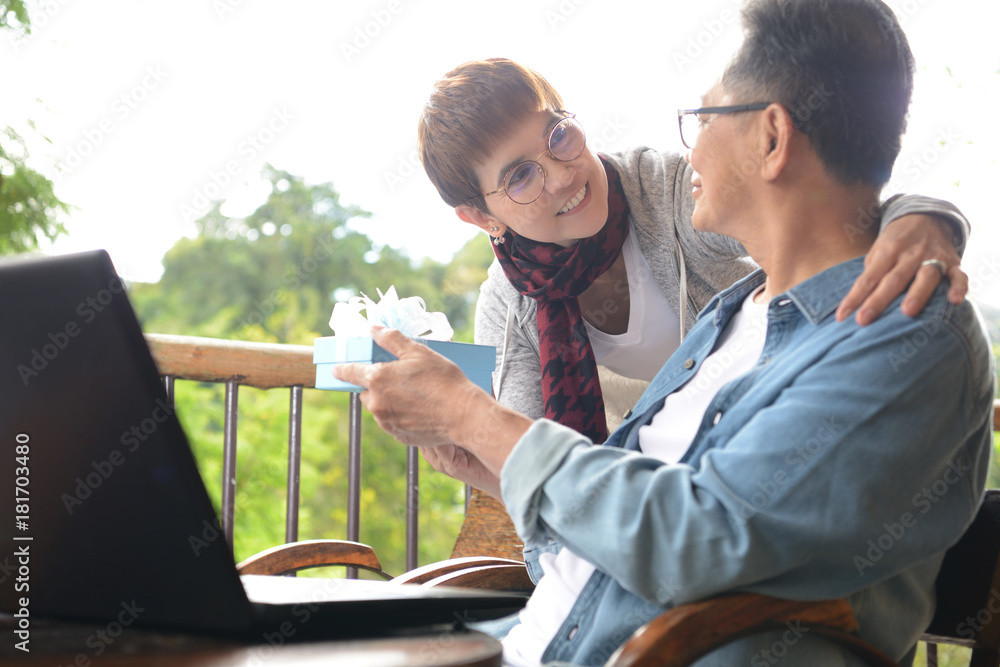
(937, 264)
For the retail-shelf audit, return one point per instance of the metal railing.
(273, 366)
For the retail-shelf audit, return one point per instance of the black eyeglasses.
(524, 182)
(690, 124)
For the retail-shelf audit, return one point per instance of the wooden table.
(59, 644)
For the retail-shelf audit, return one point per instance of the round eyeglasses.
(525, 181)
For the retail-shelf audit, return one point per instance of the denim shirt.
(843, 464)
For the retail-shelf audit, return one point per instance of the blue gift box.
(476, 361)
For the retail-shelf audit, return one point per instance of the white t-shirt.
(672, 429)
(666, 437)
(653, 327)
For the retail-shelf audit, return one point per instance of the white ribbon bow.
(407, 315)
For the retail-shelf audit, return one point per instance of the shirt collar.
(819, 296)
(816, 297)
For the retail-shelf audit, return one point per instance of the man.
(778, 445)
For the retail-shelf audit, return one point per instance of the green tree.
(28, 203)
(275, 274)
(14, 16)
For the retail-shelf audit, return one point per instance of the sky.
(155, 109)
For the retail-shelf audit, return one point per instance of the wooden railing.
(261, 365)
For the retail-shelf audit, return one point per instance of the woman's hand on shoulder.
(897, 259)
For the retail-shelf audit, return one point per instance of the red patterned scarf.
(555, 276)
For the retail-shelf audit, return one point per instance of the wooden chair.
(968, 590)
(483, 572)
(684, 634)
(305, 554)
(487, 530)
(967, 614)
(678, 637)
(500, 574)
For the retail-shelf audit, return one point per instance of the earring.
(497, 240)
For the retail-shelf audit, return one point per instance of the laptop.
(108, 527)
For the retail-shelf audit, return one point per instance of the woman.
(597, 261)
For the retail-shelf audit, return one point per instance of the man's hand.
(424, 400)
(895, 259)
(461, 464)
(419, 398)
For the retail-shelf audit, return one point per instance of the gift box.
(476, 361)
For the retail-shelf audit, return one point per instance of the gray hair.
(844, 71)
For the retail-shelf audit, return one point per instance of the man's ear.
(777, 135)
(474, 216)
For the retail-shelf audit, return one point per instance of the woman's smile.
(579, 200)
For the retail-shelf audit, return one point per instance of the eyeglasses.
(524, 182)
(690, 124)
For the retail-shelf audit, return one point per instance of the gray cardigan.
(658, 189)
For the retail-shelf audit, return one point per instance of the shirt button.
(627, 415)
(784, 302)
(718, 416)
(689, 364)
(572, 632)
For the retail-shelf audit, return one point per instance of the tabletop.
(63, 644)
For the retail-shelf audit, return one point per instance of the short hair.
(471, 111)
(844, 71)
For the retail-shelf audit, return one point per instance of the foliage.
(28, 203)
(14, 9)
(949, 655)
(287, 263)
(274, 276)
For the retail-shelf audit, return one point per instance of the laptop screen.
(115, 516)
